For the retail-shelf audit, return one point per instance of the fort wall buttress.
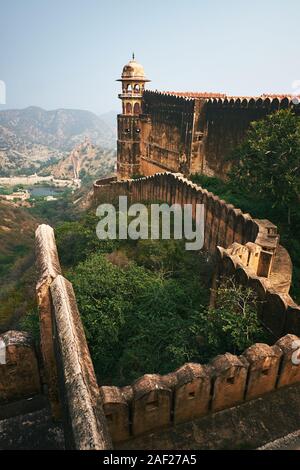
(226, 127)
(168, 144)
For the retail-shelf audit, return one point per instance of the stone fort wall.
(96, 416)
(193, 132)
(153, 402)
(247, 249)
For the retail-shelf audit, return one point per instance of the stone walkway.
(28, 425)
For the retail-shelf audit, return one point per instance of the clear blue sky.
(68, 53)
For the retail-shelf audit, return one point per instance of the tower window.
(136, 108)
(128, 108)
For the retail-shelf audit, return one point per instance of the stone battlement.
(19, 371)
(96, 416)
(190, 132)
(194, 390)
(275, 101)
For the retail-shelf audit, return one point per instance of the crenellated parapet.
(267, 101)
(191, 132)
(155, 402)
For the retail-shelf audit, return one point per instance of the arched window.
(136, 109)
(128, 108)
(136, 87)
(129, 88)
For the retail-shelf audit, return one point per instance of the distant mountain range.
(30, 138)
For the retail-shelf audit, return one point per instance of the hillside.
(30, 137)
(17, 229)
(110, 118)
(85, 159)
(17, 259)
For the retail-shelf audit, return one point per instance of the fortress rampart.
(189, 132)
(153, 402)
(96, 416)
(69, 371)
(247, 248)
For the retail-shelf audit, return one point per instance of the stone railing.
(73, 388)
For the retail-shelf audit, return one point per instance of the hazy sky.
(68, 53)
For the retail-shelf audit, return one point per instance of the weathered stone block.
(254, 251)
(116, 410)
(151, 406)
(192, 392)
(290, 365)
(264, 363)
(230, 375)
(19, 371)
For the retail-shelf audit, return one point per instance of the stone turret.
(133, 81)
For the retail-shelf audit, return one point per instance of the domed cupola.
(134, 70)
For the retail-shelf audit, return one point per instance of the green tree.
(233, 324)
(136, 321)
(267, 164)
(139, 321)
(76, 240)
